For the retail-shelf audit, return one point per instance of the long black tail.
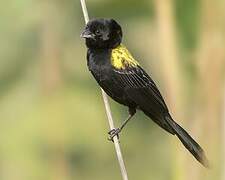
(192, 146)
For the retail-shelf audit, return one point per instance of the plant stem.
(108, 111)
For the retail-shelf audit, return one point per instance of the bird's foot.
(114, 132)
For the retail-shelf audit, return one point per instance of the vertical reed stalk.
(108, 111)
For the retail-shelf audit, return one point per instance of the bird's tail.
(192, 146)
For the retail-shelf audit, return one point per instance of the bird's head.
(102, 34)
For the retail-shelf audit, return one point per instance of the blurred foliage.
(187, 15)
(53, 124)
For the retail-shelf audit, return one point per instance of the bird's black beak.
(87, 34)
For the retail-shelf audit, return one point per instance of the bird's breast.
(99, 65)
(103, 71)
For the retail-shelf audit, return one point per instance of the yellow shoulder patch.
(121, 58)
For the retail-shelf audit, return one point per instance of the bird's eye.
(97, 32)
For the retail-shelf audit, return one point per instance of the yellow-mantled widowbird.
(125, 81)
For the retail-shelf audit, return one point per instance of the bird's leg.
(115, 132)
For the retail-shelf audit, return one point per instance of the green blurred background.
(52, 120)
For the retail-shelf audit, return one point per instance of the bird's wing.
(141, 89)
(135, 79)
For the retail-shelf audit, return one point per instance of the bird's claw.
(112, 133)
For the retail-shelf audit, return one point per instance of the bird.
(125, 81)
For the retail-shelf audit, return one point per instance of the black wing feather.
(136, 78)
(141, 89)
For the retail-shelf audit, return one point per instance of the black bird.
(124, 80)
